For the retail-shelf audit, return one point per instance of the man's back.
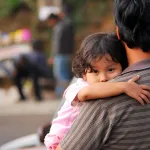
(118, 123)
(129, 128)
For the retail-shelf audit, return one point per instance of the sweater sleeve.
(71, 92)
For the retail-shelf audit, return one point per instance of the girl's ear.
(117, 32)
(84, 77)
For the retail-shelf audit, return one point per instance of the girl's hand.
(138, 92)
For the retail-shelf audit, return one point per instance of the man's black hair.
(53, 16)
(133, 20)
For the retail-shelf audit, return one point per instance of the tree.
(7, 6)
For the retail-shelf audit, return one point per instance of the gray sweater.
(63, 38)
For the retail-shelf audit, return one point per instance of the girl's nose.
(103, 78)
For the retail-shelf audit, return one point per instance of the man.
(119, 123)
(62, 50)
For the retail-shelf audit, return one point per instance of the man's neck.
(135, 55)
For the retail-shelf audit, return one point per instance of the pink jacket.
(66, 116)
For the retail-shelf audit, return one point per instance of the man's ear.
(117, 33)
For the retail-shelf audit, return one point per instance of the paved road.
(12, 127)
(20, 119)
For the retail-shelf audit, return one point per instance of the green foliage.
(87, 12)
(6, 7)
(32, 5)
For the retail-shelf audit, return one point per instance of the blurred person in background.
(62, 50)
(33, 65)
(66, 12)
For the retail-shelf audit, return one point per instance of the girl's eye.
(95, 71)
(111, 69)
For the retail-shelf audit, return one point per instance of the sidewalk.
(10, 106)
(19, 121)
(29, 108)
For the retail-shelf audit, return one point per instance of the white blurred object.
(26, 141)
(12, 51)
(45, 11)
(9, 96)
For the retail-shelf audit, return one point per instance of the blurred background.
(25, 34)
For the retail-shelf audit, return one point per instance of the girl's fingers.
(140, 100)
(145, 87)
(134, 79)
(144, 98)
(146, 93)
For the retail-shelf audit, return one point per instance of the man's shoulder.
(112, 103)
(121, 102)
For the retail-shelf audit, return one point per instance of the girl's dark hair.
(96, 46)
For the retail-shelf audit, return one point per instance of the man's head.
(132, 18)
(53, 19)
(37, 45)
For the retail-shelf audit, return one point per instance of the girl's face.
(103, 70)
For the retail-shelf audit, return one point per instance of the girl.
(102, 57)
